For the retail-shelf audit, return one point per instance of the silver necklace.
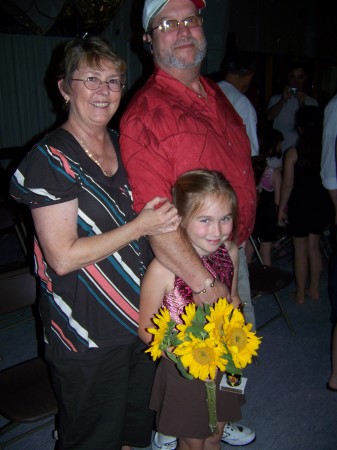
(92, 157)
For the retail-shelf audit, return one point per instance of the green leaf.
(231, 368)
(175, 341)
(207, 309)
(199, 315)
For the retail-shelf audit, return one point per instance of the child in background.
(207, 205)
(268, 180)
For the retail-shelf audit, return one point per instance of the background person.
(268, 180)
(329, 180)
(282, 108)
(304, 202)
(180, 121)
(90, 255)
(239, 70)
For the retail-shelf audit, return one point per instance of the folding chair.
(266, 280)
(26, 394)
(18, 291)
(26, 397)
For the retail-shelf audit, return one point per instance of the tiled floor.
(287, 402)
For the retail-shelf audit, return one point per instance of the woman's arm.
(287, 183)
(157, 282)
(277, 183)
(56, 228)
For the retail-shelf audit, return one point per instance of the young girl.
(208, 207)
(268, 180)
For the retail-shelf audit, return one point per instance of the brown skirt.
(181, 404)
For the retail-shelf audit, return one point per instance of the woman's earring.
(66, 101)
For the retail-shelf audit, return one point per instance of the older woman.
(90, 255)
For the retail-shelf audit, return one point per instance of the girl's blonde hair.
(191, 189)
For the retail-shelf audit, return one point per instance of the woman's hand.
(158, 216)
(282, 218)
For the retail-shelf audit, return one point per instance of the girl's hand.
(158, 216)
(236, 301)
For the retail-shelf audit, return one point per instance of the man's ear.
(147, 42)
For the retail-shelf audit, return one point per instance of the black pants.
(103, 397)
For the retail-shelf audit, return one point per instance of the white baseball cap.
(153, 7)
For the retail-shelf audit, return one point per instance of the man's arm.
(176, 253)
(150, 170)
(276, 108)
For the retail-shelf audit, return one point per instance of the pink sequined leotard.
(219, 264)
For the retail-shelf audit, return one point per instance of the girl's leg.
(301, 255)
(214, 442)
(190, 444)
(315, 265)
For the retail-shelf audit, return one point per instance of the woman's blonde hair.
(90, 51)
(191, 189)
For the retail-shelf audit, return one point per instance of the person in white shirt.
(329, 180)
(239, 71)
(328, 164)
(282, 108)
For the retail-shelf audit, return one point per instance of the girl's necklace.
(91, 156)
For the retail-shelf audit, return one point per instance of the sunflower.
(216, 319)
(187, 318)
(241, 342)
(201, 358)
(161, 334)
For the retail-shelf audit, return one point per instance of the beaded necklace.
(91, 156)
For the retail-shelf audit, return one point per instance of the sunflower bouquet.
(210, 338)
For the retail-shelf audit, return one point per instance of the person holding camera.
(282, 108)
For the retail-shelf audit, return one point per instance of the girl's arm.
(234, 254)
(65, 251)
(156, 283)
(287, 183)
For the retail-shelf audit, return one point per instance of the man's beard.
(168, 59)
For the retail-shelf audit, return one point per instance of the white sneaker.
(160, 441)
(237, 434)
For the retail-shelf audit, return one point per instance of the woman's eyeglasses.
(93, 83)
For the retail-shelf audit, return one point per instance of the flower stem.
(211, 403)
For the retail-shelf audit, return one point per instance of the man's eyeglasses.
(169, 25)
(93, 83)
